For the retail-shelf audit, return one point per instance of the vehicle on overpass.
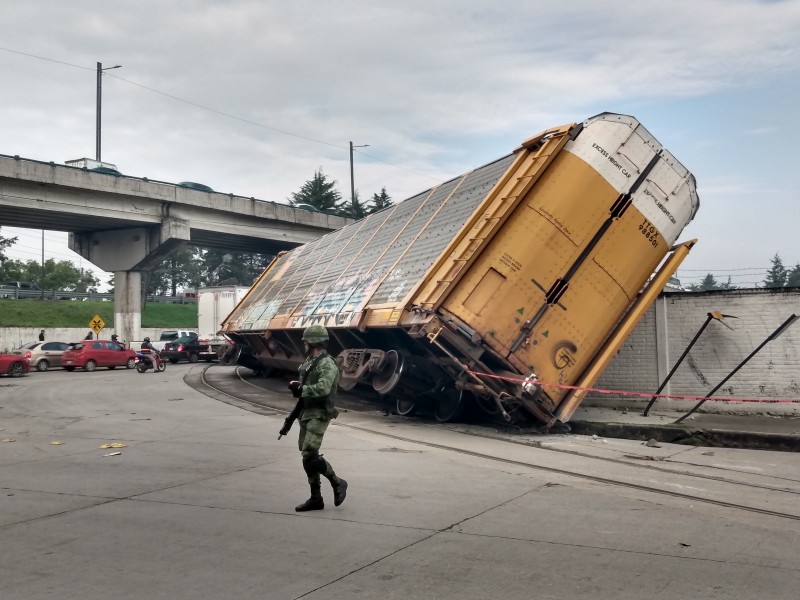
(94, 165)
(193, 185)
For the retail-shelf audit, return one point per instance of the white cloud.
(434, 88)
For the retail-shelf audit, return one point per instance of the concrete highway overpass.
(128, 225)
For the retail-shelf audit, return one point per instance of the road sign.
(97, 324)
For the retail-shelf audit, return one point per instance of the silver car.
(42, 355)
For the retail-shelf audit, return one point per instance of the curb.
(690, 436)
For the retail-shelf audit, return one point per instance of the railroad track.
(261, 396)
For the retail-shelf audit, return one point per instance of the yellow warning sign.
(97, 324)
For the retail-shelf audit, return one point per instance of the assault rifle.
(293, 416)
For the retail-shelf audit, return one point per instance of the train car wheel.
(486, 404)
(448, 404)
(347, 384)
(405, 406)
(386, 380)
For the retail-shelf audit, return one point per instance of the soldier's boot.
(339, 491)
(315, 502)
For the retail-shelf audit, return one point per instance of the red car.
(13, 365)
(90, 354)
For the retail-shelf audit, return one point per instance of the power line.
(724, 270)
(220, 112)
(60, 62)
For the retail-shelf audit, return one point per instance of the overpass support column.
(128, 304)
(128, 253)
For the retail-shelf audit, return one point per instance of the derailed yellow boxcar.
(510, 286)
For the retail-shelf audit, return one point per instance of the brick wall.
(668, 328)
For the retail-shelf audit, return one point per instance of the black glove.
(287, 425)
(296, 387)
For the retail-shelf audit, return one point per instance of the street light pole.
(100, 70)
(352, 181)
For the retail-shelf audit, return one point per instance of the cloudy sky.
(251, 97)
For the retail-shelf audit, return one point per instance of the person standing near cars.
(315, 391)
(41, 335)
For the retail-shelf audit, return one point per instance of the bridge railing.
(17, 294)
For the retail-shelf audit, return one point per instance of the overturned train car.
(510, 287)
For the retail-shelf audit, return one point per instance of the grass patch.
(67, 313)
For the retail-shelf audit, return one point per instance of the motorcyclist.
(149, 352)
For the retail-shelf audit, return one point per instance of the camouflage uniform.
(316, 387)
(319, 392)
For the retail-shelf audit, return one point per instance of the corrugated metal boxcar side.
(504, 285)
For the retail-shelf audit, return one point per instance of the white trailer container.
(214, 304)
(89, 163)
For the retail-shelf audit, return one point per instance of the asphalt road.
(199, 503)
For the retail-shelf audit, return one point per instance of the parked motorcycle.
(144, 364)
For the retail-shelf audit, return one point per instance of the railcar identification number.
(650, 232)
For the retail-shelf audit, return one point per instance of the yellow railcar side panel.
(573, 197)
(507, 283)
(591, 306)
(631, 250)
(383, 316)
(564, 340)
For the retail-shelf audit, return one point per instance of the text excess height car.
(13, 365)
(42, 355)
(90, 354)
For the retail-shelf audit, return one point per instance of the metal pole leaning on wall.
(712, 315)
(786, 324)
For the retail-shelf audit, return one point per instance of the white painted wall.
(12, 338)
(668, 327)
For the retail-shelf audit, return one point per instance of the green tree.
(777, 274)
(708, 283)
(319, 193)
(180, 271)
(4, 244)
(380, 201)
(353, 209)
(56, 275)
(226, 267)
(793, 278)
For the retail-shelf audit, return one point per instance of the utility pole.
(100, 70)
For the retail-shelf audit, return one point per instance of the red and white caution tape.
(636, 394)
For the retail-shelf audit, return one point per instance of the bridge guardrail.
(11, 293)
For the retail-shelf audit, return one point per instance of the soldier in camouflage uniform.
(319, 379)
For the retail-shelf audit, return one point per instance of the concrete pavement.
(732, 430)
(199, 504)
